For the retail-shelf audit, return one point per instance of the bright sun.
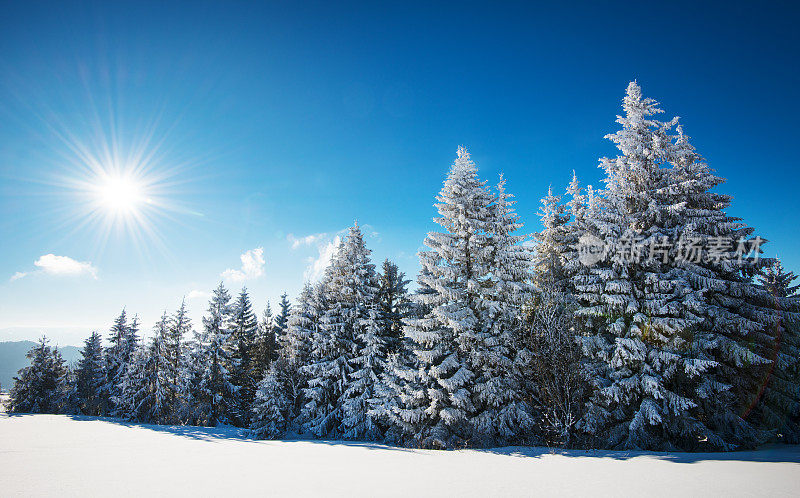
(120, 195)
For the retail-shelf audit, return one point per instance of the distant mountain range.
(12, 358)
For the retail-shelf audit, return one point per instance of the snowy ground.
(56, 455)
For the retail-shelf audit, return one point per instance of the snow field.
(57, 455)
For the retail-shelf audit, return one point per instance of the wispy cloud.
(50, 264)
(252, 266)
(197, 294)
(316, 266)
(370, 232)
(308, 240)
(18, 275)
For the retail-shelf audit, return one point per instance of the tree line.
(642, 316)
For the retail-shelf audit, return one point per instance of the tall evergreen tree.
(146, 392)
(282, 319)
(91, 377)
(779, 406)
(268, 420)
(115, 359)
(295, 349)
(438, 402)
(549, 262)
(362, 395)
(158, 392)
(218, 391)
(245, 371)
(266, 346)
(503, 414)
(42, 386)
(180, 327)
(644, 370)
(194, 407)
(350, 289)
(394, 303)
(669, 310)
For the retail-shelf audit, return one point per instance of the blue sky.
(275, 126)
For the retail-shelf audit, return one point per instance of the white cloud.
(17, 276)
(51, 264)
(316, 266)
(63, 265)
(252, 266)
(197, 294)
(305, 241)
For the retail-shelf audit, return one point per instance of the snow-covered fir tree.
(194, 406)
(295, 347)
(245, 371)
(666, 310)
(394, 303)
(146, 390)
(738, 316)
(91, 377)
(268, 419)
(217, 391)
(115, 359)
(282, 318)
(779, 404)
(132, 388)
(180, 327)
(120, 356)
(350, 289)
(644, 371)
(503, 414)
(159, 381)
(363, 392)
(549, 273)
(42, 386)
(437, 403)
(265, 348)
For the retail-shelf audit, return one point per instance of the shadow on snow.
(771, 453)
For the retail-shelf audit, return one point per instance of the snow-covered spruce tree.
(217, 390)
(160, 373)
(363, 393)
(268, 419)
(779, 406)
(91, 377)
(122, 353)
(738, 317)
(350, 289)
(115, 360)
(661, 322)
(132, 387)
(394, 303)
(549, 273)
(265, 348)
(282, 319)
(642, 363)
(194, 406)
(150, 388)
(40, 387)
(245, 372)
(295, 347)
(436, 404)
(504, 414)
(180, 326)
